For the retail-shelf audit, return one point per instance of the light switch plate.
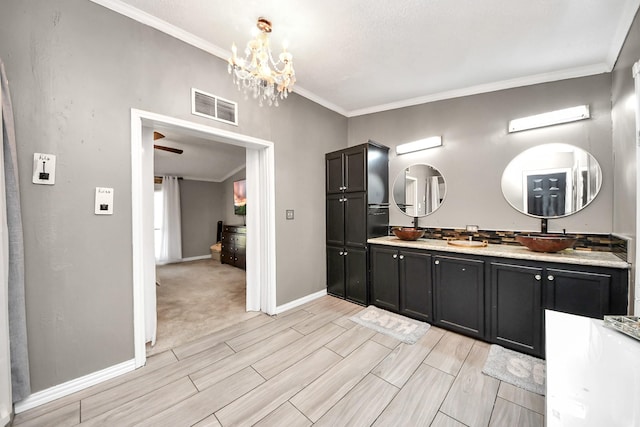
(104, 201)
(44, 168)
(289, 213)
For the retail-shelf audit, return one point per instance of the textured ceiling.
(362, 56)
(202, 159)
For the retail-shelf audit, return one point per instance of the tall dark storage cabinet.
(357, 203)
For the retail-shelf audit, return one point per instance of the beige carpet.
(196, 298)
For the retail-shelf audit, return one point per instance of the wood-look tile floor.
(307, 366)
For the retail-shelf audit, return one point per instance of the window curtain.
(13, 265)
(171, 231)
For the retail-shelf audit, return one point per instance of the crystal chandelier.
(258, 73)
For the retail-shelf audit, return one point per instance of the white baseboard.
(65, 389)
(300, 301)
(195, 258)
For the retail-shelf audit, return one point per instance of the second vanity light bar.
(421, 144)
(566, 115)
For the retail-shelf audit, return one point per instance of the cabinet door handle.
(401, 256)
(437, 262)
(340, 253)
(538, 277)
(345, 253)
(395, 256)
(550, 277)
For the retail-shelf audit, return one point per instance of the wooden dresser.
(234, 246)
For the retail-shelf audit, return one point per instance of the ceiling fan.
(158, 135)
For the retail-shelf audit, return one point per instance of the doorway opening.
(260, 275)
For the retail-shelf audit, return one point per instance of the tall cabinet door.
(516, 307)
(355, 169)
(356, 274)
(335, 271)
(415, 284)
(334, 171)
(335, 219)
(355, 219)
(385, 287)
(459, 294)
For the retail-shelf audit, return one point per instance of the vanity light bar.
(421, 144)
(566, 115)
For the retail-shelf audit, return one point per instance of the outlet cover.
(472, 228)
(289, 213)
(44, 169)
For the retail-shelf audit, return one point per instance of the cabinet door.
(355, 219)
(355, 169)
(516, 307)
(334, 172)
(415, 285)
(335, 271)
(356, 275)
(577, 292)
(459, 294)
(385, 289)
(335, 219)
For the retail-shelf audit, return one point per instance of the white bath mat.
(400, 327)
(519, 369)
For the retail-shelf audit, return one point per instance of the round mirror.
(419, 190)
(551, 180)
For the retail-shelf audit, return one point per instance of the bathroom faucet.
(543, 226)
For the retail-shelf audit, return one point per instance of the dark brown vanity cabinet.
(521, 292)
(357, 208)
(459, 294)
(500, 300)
(586, 293)
(401, 281)
(516, 307)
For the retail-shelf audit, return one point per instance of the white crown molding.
(163, 26)
(70, 387)
(626, 19)
(189, 38)
(485, 88)
(321, 101)
(233, 172)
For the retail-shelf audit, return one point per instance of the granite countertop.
(593, 374)
(567, 256)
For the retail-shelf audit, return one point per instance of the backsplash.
(585, 242)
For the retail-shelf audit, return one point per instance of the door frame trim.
(261, 258)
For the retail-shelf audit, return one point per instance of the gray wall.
(201, 209)
(477, 148)
(624, 140)
(75, 71)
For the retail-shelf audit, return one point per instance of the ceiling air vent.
(213, 107)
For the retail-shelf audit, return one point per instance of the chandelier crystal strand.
(258, 73)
